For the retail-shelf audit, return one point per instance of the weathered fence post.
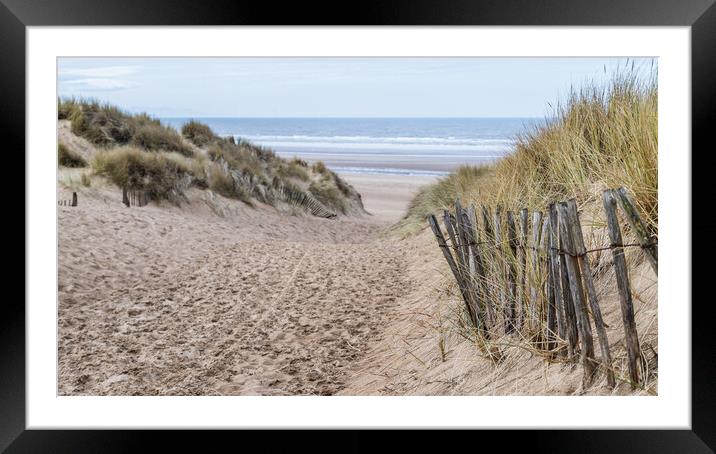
(500, 270)
(622, 276)
(583, 261)
(575, 285)
(525, 310)
(536, 240)
(543, 275)
(463, 283)
(468, 264)
(488, 262)
(486, 222)
(463, 232)
(534, 276)
(447, 220)
(512, 271)
(563, 298)
(460, 234)
(478, 275)
(443, 246)
(449, 258)
(639, 228)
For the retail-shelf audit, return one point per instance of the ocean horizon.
(404, 146)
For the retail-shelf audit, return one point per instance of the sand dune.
(163, 300)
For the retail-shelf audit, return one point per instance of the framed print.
(409, 217)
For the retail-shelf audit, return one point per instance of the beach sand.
(387, 196)
(217, 298)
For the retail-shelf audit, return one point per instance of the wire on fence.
(559, 250)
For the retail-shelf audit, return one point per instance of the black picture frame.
(700, 15)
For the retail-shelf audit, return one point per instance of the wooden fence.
(539, 284)
(67, 202)
(304, 200)
(133, 197)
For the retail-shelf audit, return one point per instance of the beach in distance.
(394, 146)
(386, 159)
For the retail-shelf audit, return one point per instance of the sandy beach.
(386, 197)
(219, 298)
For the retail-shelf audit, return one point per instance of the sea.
(405, 146)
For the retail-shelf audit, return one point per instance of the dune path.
(183, 302)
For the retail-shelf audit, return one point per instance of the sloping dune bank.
(216, 298)
(219, 298)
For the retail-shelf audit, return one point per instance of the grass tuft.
(199, 134)
(328, 194)
(156, 137)
(161, 176)
(68, 158)
(292, 169)
(105, 125)
(319, 167)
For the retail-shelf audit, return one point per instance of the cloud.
(96, 84)
(98, 78)
(100, 71)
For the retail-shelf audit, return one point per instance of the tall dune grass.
(106, 125)
(601, 136)
(161, 176)
(67, 157)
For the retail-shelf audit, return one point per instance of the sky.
(333, 87)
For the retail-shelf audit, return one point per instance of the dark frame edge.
(703, 346)
(12, 352)
(12, 119)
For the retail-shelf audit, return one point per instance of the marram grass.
(600, 137)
